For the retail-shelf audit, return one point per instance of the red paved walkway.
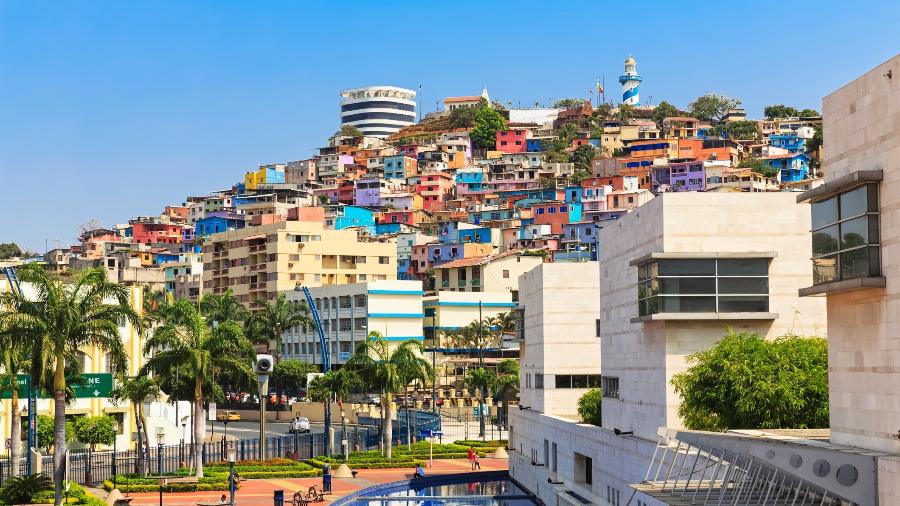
(260, 492)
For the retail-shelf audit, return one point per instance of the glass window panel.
(563, 381)
(854, 263)
(594, 381)
(825, 269)
(687, 267)
(744, 285)
(744, 267)
(824, 212)
(687, 286)
(854, 202)
(579, 381)
(746, 304)
(687, 304)
(825, 241)
(855, 232)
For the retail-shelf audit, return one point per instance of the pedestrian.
(222, 499)
(471, 458)
(477, 463)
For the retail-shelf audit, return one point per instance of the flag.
(599, 87)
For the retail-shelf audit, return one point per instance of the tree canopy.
(582, 157)
(739, 130)
(9, 250)
(350, 131)
(290, 375)
(487, 122)
(747, 382)
(589, 406)
(759, 166)
(95, 430)
(780, 111)
(565, 103)
(712, 106)
(662, 111)
(464, 117)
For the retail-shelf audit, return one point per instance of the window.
(577, 380)
(538, 381)
(846, 236)
(610, 386)
(703, 285)
(384, 260)
(505, 273)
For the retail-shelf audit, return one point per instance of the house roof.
(472, 98)
(680, 118)
(785, 155)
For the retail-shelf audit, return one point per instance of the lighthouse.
(630, 82)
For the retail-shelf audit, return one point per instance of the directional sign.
(94, 386)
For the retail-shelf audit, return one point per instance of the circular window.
(821, 468)
(796, 461)
(847, 475)
(770, 454)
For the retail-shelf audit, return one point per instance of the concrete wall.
(644, 356)
(561, 303)
(861, 123)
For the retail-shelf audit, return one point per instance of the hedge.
(480, 444)
(174, 487)
(76, 495)
(384, 464)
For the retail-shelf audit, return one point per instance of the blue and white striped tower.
(630, 82)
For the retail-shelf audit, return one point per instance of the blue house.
(578, 243)
(479, 235)
(395, 167)
(574, 193)
(221, 223)
(355, 216)
(533, 145)
(387, 228)
(791, 167)
(790, 142)
(469, 180)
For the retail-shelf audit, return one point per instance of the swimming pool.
(471, 488)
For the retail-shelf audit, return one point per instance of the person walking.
(477, 463)
(472, 458)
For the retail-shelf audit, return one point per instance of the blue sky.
(110, 110)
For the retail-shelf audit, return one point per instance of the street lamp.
(115, 453)
(231, 457)
(181, 442)
(160, 441)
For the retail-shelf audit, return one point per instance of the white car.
(299, 425)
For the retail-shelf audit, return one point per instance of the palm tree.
(274, 318)
(185, 339)
(61, 318)
(13, 360)
(331, 386)
(392, 367)
(481, 379)
(223, 308)
(138, 391)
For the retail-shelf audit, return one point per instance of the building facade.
(378, 111)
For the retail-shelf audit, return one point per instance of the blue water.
(477, 492)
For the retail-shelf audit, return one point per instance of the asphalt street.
(246, 430)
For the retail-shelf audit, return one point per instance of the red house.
(144, 232)
(555, 214)
(512, 141)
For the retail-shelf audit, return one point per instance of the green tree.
(350, 131)
(583, 158)
(23, 489)
(93, 431)
(274, 318)
(223, 308)
(809, 113)
(187, 340)
(813, 145)
(138, 391)
(290, 375)
(464, 117)
(334, 385)
(626, 112)
(45, 433)
(739, 130)
(13, 361)
(483, 380)
(9, 250)
(759, 166)
(780, 111)
(662, 111)
(392, 367)
(747, 382)
(712, 106)
(487, 122)
(566, 103)
(58, 320)
(589, 407)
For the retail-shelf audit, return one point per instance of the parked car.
(299, 425)
(372, 400)
(228, 415)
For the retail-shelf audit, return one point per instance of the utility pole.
(481, 365)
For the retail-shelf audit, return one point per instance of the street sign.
(95, 386)
(212, 412)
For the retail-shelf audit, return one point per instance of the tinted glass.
(853, 202)
(825, 269)
(824, 212)
(753, 304)
(563, 381)
(854, 263)
(744, 285)
(687, 304)
(825, 240)
(854, 232)
(676, 286)
(744, 267)
(579, 381)
(683, 267)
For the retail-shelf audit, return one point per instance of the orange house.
(710, 149)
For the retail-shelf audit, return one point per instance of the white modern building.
(378, 111)
(349, 312)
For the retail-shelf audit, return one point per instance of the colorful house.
(791, 167)
(688, 176)
(220, 221)
(791, 142)
(512, 141)
(399, 167)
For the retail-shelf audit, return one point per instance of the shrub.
(23, 489)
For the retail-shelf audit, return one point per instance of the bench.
(210, 503)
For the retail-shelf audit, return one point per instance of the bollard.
(278, 499)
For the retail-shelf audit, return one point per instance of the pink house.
(512, 141)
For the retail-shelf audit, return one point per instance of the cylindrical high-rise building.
(630, 82)
(378, 111)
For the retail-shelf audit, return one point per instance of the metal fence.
(87, 467)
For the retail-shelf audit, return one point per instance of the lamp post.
(434, 345)
(481, 431)
(160, 441)
(231, 457)
(115, 453)
(181, 444)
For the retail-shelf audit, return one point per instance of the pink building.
(152, 233)
(435, 188)
(512, 141)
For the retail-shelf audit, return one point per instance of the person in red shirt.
(471, 458)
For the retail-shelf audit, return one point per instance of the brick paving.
(260, 492)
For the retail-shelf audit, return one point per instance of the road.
(247, 430)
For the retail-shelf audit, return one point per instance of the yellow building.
(257, 263)
(491, 273)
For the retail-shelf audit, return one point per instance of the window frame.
(869, 215)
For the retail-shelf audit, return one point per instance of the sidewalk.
(260, 492)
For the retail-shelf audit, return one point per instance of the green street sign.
(95, 386)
